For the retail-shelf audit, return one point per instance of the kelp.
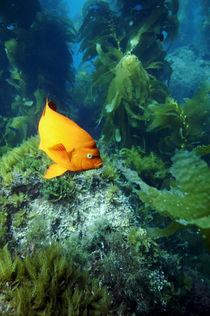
(127, 96)
(149, 20)
(36, 61)
(116, 41)
(41, 69)
(184, 124)
(17, 13)
(197, 110)
(99, 26)
(187, 202)
(14, 16)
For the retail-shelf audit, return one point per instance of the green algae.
(183, 124)
(187, 202)
(48, 283)
(126, 97)
(127, 72)
(149, 167)
(58, 189)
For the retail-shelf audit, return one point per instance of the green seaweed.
(197, 111)
(28, 75)
(3, 225)
(127, 73)
(48, 283)
(202, 150)
(127, 96)
(187, 202)
(150, 167)
(185, 124)
(109, 172)
(58, 189)
(112, 193)
(102, 25)
(25, 159)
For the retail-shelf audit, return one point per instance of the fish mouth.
(98, 164)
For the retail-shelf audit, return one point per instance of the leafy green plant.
(3, 226)
(112, 193)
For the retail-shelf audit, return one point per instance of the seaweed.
(38, 62)
(131, 30)
(185, 125)
(24, 161)
(197, 111)
(126, 98)
(149, 167)
(16, 13)
(99, 26)
(49, 283)
(187, 202)
(127, 72)
(58, 189)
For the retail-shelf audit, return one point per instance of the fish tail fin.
(54, 170)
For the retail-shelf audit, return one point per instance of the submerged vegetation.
(35, 61)
(129, 61)
(49, 283)
(130, 71)
(187, 202)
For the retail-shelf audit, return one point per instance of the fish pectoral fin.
(54, 170)
(70, 153)
(57, 147)
(61, 153)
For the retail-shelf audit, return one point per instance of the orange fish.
(67, 144)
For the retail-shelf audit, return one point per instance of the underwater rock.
(188, 71)
(88, 202)
(97, 219)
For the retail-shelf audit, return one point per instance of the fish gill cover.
(133, 236)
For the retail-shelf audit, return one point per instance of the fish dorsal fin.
(54, 170)
(52, 105)
(60, 151)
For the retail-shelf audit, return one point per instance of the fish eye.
(89, 156)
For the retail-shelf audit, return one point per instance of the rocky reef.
(189, 69)
(93, 219)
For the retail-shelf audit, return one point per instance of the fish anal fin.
(54, 170)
